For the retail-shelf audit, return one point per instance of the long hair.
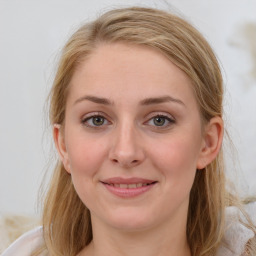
(66, 220)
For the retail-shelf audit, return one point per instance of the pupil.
(159, 121)
(98, 120)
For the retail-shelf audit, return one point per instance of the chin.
(131, 220)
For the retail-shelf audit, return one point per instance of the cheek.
(177, 160)
(85, 156)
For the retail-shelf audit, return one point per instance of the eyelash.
(86, 119)
(168, 119)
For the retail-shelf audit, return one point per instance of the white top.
(236, 236)
(26, 244)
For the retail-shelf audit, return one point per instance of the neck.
(164, 240)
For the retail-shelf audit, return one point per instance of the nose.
(126, 150)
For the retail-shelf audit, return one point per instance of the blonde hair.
(66, 220)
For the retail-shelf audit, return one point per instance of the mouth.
(126, 188)
(129, 186)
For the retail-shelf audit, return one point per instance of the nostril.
(125, 162)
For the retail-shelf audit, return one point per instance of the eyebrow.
(145, 102)
(159, 100)
(95, 99)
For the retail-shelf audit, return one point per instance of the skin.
(129, 142)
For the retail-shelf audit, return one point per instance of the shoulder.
(26, 244)
(237, 233)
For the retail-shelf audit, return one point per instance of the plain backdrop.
(31, 36)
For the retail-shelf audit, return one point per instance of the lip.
(111, 185)
(120, 180)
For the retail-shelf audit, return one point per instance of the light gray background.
(31, 35)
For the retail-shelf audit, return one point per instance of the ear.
(212, 141)
(60, 146)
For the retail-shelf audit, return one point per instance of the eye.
(95, 121)
(161, 121)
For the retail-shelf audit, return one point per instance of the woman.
(136, 109)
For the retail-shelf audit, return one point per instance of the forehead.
(123, 71)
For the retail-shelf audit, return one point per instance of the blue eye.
(160, 121)
(95, 121)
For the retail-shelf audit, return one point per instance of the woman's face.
(132, 137)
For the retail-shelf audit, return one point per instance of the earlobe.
(212, 142)
(60, 146)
